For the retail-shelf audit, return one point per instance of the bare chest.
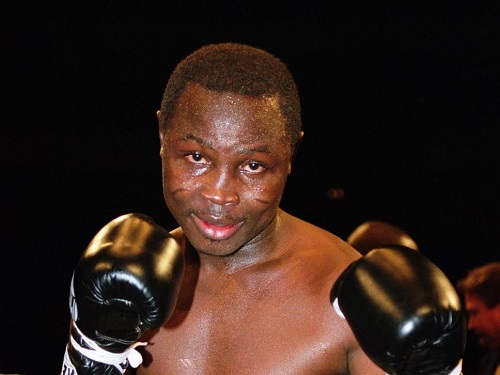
(269, 327)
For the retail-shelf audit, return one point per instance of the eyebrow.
(191, 137)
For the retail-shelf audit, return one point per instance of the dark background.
(400, 110)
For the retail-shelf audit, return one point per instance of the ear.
(296, 147)
(159, 116)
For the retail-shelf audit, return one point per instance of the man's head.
(481, 291)
(229, 125)
(241, 69)
(376, 233)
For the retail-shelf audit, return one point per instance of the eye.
(196, 158)
(254, 167)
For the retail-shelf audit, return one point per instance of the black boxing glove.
(125, 283)
(404, 312)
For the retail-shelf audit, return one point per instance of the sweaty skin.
(255, 296)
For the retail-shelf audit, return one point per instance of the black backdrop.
(400, 110)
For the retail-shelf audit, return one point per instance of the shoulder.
(319, 253)
(318, 242)
(322, 257)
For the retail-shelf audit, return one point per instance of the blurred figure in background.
(481, 293)
(376, 233)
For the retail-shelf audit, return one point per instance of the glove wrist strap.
(98, 354)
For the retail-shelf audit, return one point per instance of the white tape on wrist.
(98, 354)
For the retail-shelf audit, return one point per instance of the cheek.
(176, 182)
(268, 193)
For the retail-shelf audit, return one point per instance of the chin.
(212, 247)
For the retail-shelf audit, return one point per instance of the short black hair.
(241, 69)
(483, 282)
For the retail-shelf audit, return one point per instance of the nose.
(220, 187)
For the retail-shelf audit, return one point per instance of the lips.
(214, 230)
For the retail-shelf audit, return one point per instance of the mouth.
(215, 229)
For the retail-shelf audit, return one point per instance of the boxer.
(255, 294)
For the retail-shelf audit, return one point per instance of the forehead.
(228, 115)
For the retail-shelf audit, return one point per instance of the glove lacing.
(98, 354)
